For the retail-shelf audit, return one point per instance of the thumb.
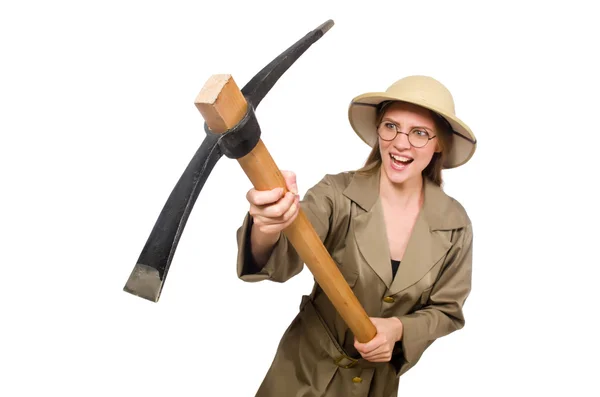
(290, 181)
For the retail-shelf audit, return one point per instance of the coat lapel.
(371, 239)
(425, 248)
(427, 243)
(368, 224)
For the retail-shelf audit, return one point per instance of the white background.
(98, 122)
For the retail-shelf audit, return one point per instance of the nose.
(401, 141)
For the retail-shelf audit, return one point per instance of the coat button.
(357, 379)
(388, 299)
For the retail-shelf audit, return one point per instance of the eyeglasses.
(417, 137)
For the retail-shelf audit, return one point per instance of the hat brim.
(362, 114)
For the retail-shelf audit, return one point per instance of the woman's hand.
(379, 349)
(271, 210)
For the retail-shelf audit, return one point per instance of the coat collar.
(427, 243)
(441, 211)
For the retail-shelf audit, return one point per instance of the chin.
(410, 173)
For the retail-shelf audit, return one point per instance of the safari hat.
(419, 90)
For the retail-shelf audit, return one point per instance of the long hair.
(433, 171)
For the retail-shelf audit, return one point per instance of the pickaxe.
(232, 130)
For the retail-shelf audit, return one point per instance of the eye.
(421, 133)
(390, 126)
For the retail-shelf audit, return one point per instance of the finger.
(376, 343)
(271, 229)
(373, 344)
(292, 212)
(290, 181)
(376, 352)
(274, 210)
(261, 220)
(269, 225)
(278, 210)
(264, 197)
(270, 215)
(380, 355)
(380, 358)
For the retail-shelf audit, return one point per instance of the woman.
(401, 243)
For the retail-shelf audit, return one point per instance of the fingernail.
(293, 208)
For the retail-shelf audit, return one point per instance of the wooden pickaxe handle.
(223, 105)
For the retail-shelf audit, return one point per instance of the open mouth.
(400, 161)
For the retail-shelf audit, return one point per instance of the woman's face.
(401, 161)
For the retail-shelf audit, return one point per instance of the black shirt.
(395, 265)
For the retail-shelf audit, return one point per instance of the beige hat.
(419, 90)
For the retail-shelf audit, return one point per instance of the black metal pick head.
(149, 274)
(256, 89)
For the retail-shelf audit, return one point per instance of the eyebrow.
(416, 126)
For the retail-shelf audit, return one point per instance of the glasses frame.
(401, 132)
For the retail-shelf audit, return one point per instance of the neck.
(404, 195)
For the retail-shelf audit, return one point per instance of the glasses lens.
(386, 131)
(418, 138)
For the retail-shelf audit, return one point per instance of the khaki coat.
(316, 355)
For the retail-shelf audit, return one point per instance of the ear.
(438, 149)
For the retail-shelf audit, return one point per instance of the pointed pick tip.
(144, 282)
(325, 26)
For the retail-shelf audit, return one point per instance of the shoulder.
(451, 216)
(444, 211)
(457, 211)
(339, 181)
(330, 188)
(348, 185)
(333, 187)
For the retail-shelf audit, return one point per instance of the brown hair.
(433, 171)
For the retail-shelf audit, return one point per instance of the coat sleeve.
(443, 313)
(284, 262)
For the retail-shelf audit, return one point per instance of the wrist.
(261, 245)
(399, 328)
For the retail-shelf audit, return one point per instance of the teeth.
(401, 158)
